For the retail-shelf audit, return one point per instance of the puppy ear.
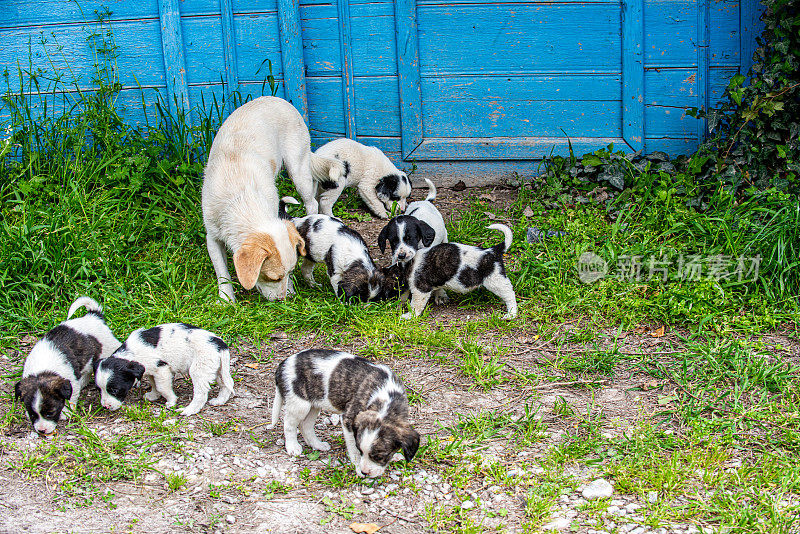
(136, 369)
(18, 390)
(383, 237)
(65, 389)
(428, 233)
(294, 236)
(409, 442)
(250, 257)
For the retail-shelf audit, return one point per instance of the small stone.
(230, 519)
(467, 505)
(598, 489)
(279, 442)
(652, 497)
(169, 422)
(559, 523)
(367, 491)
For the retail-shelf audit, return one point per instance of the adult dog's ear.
(251, 256)
(409, 442)
(428, 233)
(136, 369)
(294, 236)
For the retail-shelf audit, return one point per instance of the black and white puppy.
(159, 352)
(60, 364)
(420, 226)
(461, 268)
(379, 182)
(371, 399)
(351, 270)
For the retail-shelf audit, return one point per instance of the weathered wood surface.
(452, 85)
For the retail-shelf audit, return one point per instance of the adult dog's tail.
(328, 172)
(282, 207)
(91, 306)
(506, 232)
(431, 191)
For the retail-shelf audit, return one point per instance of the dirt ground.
(229, 475)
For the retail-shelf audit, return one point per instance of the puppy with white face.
(60, 365)
(240, 200)
(157, 354)
(420, 226)
(461, 268)
(351, 270)
(379, 182)
(371, 399)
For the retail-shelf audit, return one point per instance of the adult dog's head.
(266, 258)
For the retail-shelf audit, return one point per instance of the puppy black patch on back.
(438, 266)
(347, 231)
(474, 276)
(308, 384)
(217, 342)
(352, 383)
(151, 336)
(188, 326)
(78, 348)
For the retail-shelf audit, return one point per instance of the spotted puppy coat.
(157, 354)
(378, 181)
(420, 226)
(371, 399)
(461, 268)
(351, 270)
(60, 364)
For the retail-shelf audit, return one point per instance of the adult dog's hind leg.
(299, 168)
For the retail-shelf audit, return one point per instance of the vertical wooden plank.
(408, 77)
(750, 27)
(174, 57)
(294, 72)
(702, 65)
(346, 53)
(229, 48)
(633, 128)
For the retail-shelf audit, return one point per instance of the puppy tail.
(282, 207)
(90, 304)
(431, 191)
(277, 404)
(506, 232)
(225, 372)
(328, 172)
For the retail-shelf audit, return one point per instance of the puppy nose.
(402, 256)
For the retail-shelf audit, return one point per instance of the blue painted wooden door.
(453, 85)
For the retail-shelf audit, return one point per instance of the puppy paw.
(509, 316)
(408, 315)
(441, 298)
(188, 410)
(152, 395)
(323, 446)
(216, 401)
(294, 449)
(271, 426)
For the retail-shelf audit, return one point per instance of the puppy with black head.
(60, 364)
(461, 268)
(420, 226)
(379, 182)
(157, 354)
(370, 397)
(350, 268)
